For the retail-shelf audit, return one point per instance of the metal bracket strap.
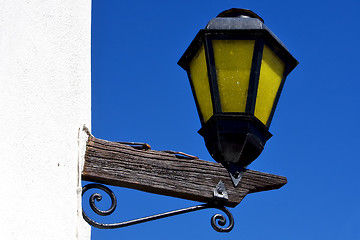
(218, 221)
(220, 192)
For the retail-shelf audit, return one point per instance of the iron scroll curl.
(218, 221)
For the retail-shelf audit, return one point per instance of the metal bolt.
(237, 174)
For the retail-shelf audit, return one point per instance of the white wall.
(44, 99)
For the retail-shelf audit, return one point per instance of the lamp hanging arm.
(218, 221)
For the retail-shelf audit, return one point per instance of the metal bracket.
(218, 221)
(236, 173)
(220, 192)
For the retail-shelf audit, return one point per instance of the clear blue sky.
(139, 93)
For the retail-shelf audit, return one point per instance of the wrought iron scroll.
(218, 221)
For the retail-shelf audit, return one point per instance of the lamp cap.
(239, 12)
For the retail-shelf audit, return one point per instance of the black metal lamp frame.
(262, 37)
(242, 134)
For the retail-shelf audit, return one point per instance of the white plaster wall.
(44, 99)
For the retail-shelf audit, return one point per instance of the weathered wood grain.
(164, 173)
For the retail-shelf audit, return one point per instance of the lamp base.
(234, 140)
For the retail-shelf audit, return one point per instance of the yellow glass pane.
(271, 74)
(200, 81)
(233, 60)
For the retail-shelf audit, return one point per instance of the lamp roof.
(238, 20)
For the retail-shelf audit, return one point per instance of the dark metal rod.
(216, 220)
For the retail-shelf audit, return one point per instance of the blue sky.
(139, 93)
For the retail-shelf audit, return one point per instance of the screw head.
(237, 174)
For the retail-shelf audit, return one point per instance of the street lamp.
(237, 68)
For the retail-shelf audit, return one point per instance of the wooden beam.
(168, 174)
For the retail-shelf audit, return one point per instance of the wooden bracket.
(168, 174)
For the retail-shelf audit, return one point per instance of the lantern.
(237, 68)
